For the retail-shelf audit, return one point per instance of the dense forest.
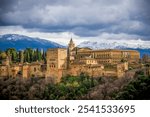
(39, 88)
(28, 55)
(81, 87)
(137, 89)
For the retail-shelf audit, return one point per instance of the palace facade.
(73, 61)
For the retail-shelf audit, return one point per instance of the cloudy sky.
(59, 20)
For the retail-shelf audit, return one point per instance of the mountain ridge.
(21, 42)
(112, 44)
(115, 45)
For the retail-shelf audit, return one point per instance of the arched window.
(52, 65)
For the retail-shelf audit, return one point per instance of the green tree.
(29, 55)
(12, 54)
(136, 89)
(38, 54)
(44, 56)
(82, 76)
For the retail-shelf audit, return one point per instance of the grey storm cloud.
(82, 17)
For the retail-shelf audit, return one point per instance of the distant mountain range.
(21, 42)
(116, 44)
(141, 46)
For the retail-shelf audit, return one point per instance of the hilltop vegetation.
(82, 87)
(39, 88)
(137, 89)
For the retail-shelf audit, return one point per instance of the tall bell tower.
(71, 45)
(70, 56)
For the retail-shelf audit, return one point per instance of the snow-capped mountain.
(142, 46)
(21, 42)
(113, 44)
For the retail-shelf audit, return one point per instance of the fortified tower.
(56, 62)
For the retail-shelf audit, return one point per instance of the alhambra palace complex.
(74, 61)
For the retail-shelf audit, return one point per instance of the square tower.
(56, 62)
(56, 58)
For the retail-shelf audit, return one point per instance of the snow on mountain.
(142, 46)
(21, 42)
(114, 44)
